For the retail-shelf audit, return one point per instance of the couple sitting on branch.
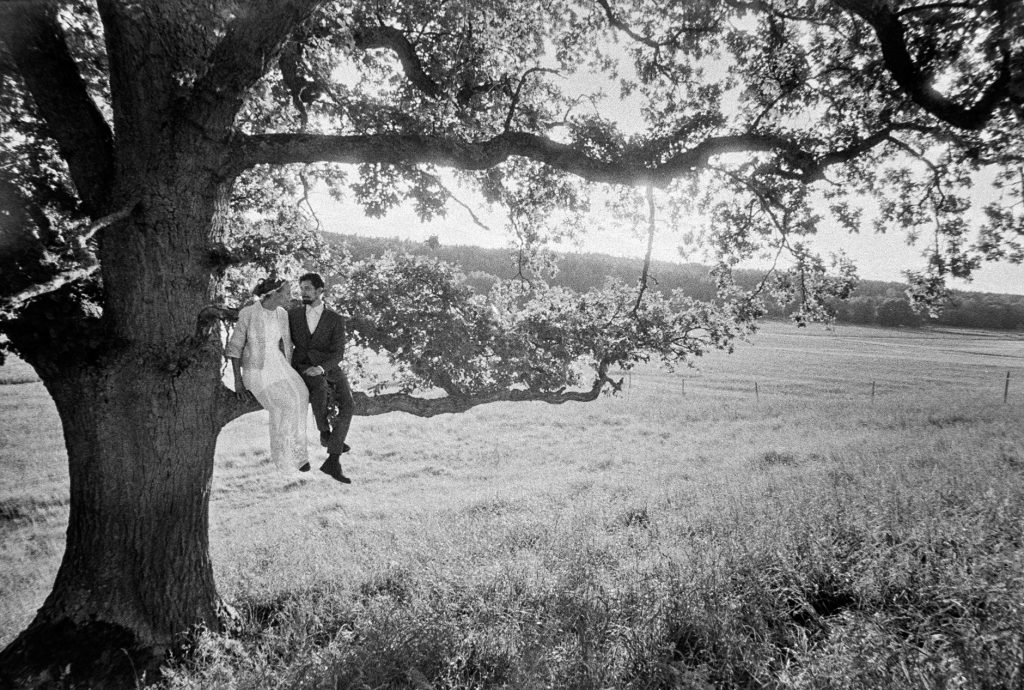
(288, 359)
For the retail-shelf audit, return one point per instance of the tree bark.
(135, 572)
(139, 399)
(137, 387)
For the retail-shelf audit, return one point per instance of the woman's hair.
(269, 284)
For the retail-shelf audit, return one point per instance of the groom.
(319, 338)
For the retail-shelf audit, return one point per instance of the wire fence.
(755, 387)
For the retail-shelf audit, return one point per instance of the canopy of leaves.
(764, 119)
(435, 332)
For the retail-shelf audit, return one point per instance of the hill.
(874, 302)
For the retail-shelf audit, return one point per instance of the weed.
(774, 457)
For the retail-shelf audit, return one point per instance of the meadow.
(857, 522)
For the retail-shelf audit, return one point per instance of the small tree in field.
(151, 151)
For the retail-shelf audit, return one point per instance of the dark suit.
(324, 348)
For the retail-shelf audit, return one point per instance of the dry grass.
(811, 537)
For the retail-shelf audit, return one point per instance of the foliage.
(436, 332)
(776, 79)
(152, 153)
(584, 272)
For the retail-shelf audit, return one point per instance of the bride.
(260, 350)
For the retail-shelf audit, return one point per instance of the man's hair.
(314, 279)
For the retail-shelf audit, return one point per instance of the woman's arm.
(286, 338)
(236, 345)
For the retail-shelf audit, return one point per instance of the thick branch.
(891, 35)
(774, 11)
(616, 23)
(808, 169)
(625, 28)
(251, 44)
(233, 406)
(935, 7)
(87, 264)
(631, 168)
(56, 283)
(291, 56)
(36, 43)
(429, 407)
(393, 39)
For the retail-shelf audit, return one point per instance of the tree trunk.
(140, 418)
(136, 570)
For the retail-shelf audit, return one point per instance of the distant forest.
(873, 302)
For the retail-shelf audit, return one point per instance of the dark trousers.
(324, 394)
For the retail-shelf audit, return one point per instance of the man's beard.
(307, 300)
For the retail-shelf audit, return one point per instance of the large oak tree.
(147, 147)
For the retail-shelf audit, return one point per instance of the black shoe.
(325, 438)
(345, 448)
(332, 468)
(304, 468)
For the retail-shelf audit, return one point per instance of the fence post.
(683, 386)
(757, 394)
(1006, 389)
(872, 391)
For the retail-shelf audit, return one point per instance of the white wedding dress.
(262, 340)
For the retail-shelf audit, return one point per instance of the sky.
(877, 257)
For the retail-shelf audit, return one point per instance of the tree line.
(874, 302)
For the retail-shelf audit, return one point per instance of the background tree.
(147, 148)
(896, 312)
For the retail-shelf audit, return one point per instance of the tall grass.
(860, 569)
(812, 538)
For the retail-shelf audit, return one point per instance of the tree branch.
(625, 28)
(393, 39)
(769, 9)
(56, 283)
(891, 35)
(634, 167)
(88, 263)
(288, 63)
(233, 407)
(36, 43)
(451, 195)
(251, 44)
(934, 6)
(650, 245)
(518, 92)
(428, 407)
(809, 169)
(616, 23)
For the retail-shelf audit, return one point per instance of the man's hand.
(314, 371)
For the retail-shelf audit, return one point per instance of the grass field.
(687, 533)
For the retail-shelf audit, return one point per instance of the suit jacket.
(324, 347)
